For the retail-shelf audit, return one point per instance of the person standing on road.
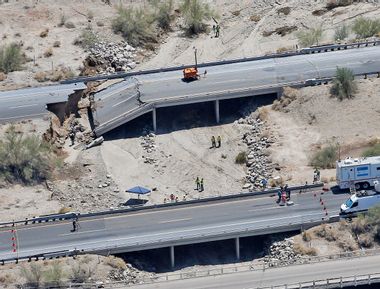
(279, 196)
(202, 187)
(219, 141)
(75, 225)
(287, 191)
(197, 181)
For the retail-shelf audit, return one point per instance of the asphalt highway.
(132, 231)
(220, 81)
(278, 276)
(31, 102)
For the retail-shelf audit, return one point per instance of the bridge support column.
(172, 256)
(154, 117)
(237, 246)
(217, 116)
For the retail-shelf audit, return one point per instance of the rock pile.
(258, 163)
(129, 275)
(112, 57)
(281, 254)
(149, 145)
(87, 186)
(148, 142)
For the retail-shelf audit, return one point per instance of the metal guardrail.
(69, 216)
(311, 50)
(339, 282)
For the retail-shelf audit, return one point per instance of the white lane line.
(272, 208)
(121, 89)
(81, 232)
(22, 106)
(124, 100)
(23, 116)
(176, 220)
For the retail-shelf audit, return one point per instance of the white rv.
(359, 173)
(361, 202)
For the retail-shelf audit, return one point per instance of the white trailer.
(358, 173)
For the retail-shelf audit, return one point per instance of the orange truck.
(191, 73)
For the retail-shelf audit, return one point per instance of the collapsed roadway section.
(140, 94)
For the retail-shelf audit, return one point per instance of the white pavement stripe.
(124, 100)
(272, 208)
(176, 220)
(22, 106)
(81, 232)
(23, 116)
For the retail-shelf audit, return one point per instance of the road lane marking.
(271, 208)
(23, 116)
(22, 106)
(124, 100)
(176, 220)
(81, 232)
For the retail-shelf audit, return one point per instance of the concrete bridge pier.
(154, 117)
(237, 247)
(217, 116)
(172, 256)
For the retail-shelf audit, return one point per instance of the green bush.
(87, 39)
(135, 25)
(310, 37)
(24, 159)
(81, 273)
(33, 275)
(365, 27)
(54, 276)
(344, 85)
(195, 13)
(341, 32)
(11, 58)
(164, 14)
(241, 158)
(372, 151)
(325, 158)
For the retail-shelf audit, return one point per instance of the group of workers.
(199, 183)
(283, 194)
(216, 142)
(216, 30)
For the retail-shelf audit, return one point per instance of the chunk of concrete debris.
(95, 142)
(247, 186)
